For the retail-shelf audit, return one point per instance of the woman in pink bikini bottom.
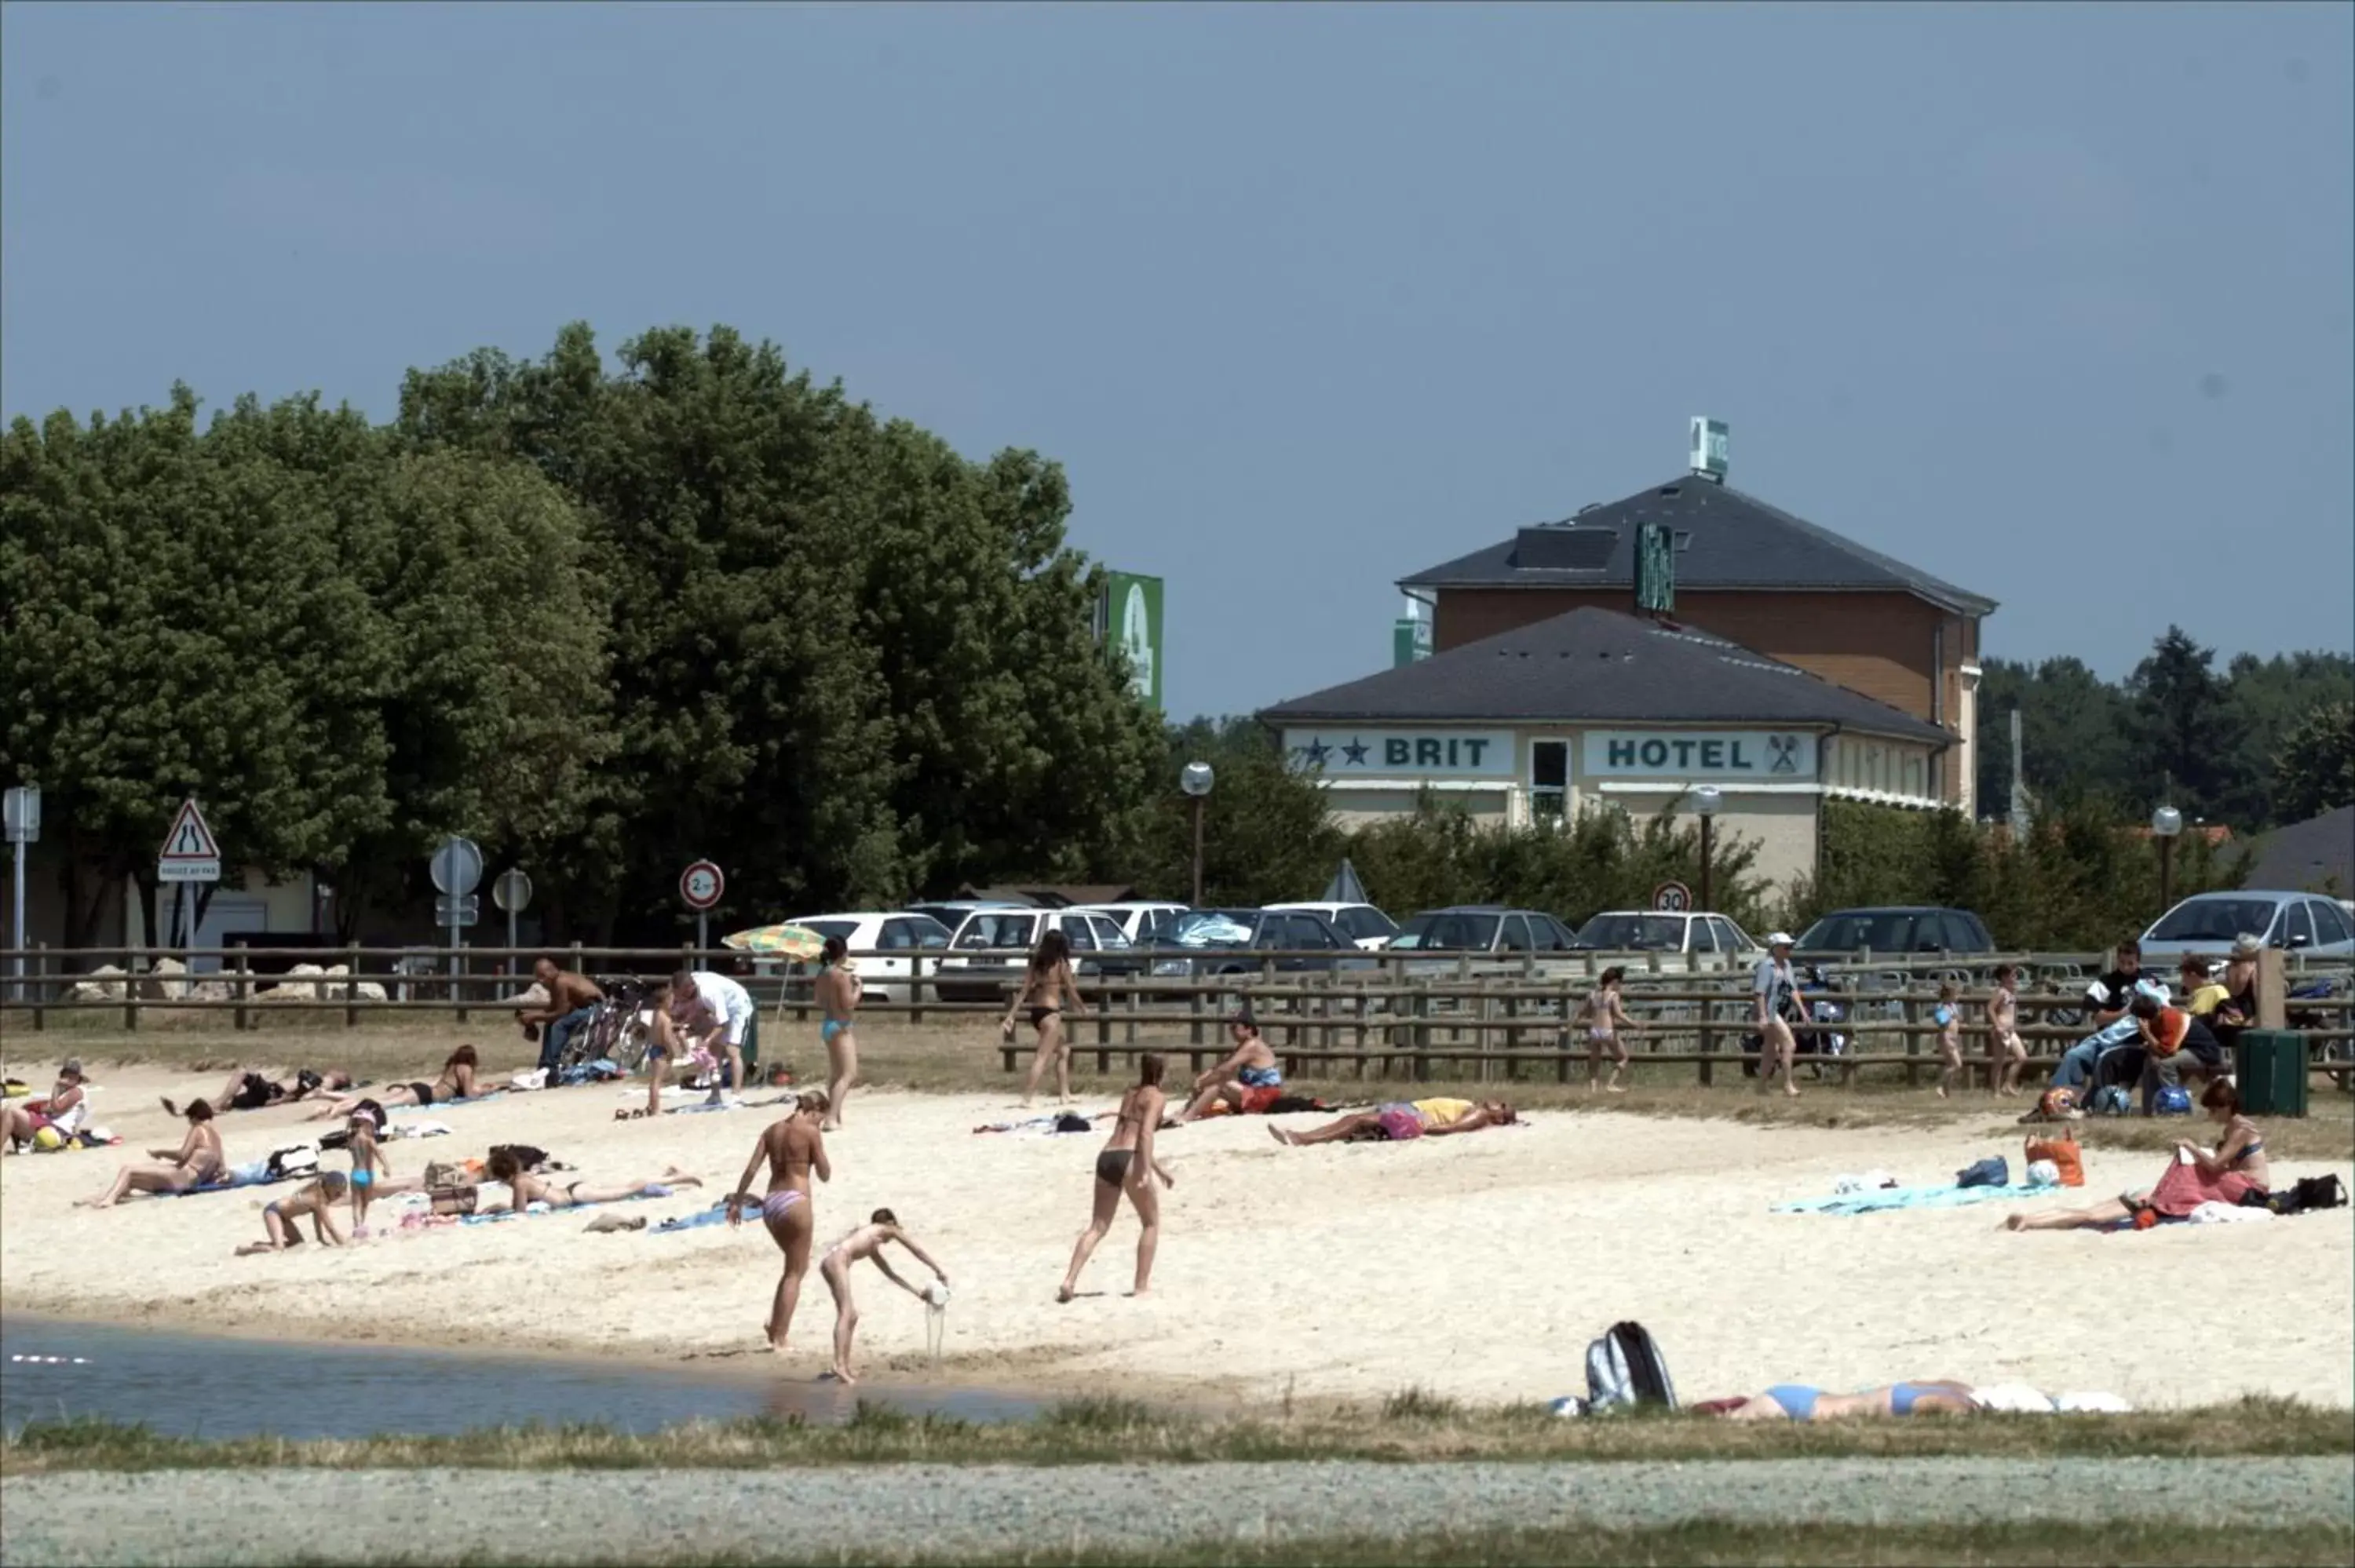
(793, 1148)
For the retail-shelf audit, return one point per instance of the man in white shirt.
(728, 1015)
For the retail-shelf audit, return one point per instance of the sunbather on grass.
(1802, 1401)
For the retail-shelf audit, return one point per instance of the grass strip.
(1411, 1425)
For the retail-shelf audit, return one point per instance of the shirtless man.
(866, 1243)
(1253, 1065)
(1404, 1119)
(571, 1001)
(793, 1148)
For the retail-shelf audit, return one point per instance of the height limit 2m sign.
(190, 853)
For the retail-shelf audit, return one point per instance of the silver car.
(2208, 923)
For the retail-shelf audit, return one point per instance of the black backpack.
(2306, 1193)
(1625, 1367)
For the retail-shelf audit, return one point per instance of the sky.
(2050, 302)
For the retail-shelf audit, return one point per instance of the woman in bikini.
(1604, 1014)
(1804, 1402)
(528, 1189)
(837, 1001)
(1048, 988)
(316, 1203)
(793, 1146)
(1126, 1165)
(252, 1091)
(2238, 1164)
(198, 1160)
(459, 1081)
(866, 1242)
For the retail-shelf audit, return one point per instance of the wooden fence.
(1388, 1013)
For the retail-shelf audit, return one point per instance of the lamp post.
(1705, 802)
(2166, 822)
(1196, 780)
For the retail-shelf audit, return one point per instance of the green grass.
(1408, 1426)
(1702, 1543)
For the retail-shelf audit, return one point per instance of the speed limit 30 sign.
(701, 885)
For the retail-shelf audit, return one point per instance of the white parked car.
(2209, 922)
(1141, 921)
(1367, 927)
(1684, 940)
(884, 945)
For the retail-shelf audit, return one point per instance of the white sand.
(1476, 1266)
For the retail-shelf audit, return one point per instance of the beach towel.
(1904, 1198)
(539, 1210)
(714, 1215)
(446, 1105)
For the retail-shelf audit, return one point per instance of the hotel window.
(1549, 780)
(1916, 782)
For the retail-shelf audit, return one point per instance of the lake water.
(204, 1386)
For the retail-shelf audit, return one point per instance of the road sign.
(1672, 898)
(190, 853)
(465, 911)
(701, 885)
(512, 891)
(457, 867)
(23, 814)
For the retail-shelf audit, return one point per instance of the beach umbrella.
(1345, 887)
(791, 941)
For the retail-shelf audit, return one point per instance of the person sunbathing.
(253, 1091)
(315, 1202)
(1803, 1402)
(458, 1081)
(1401, 1121)
(2235, 1167)
(1252, 1066)
(528, 1189)
(61, 1116)
(196, 1161)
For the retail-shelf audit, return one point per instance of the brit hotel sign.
(1402, 753)
(1700, 754)
(1669, 754)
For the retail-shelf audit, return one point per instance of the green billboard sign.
(1128, 618)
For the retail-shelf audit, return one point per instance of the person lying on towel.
(1401, 1121)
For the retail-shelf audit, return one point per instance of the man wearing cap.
(60, 1115)
(1775, 989)
(1250, 1066)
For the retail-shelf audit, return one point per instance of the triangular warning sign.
(191, 837)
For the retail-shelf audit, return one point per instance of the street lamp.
(1196, 780)
(1705, 802)
(2166, 822)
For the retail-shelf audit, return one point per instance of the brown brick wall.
(1879, 644)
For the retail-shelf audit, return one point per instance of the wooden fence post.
(129, 991)
(352, 990)
(244, 984)
(40, 986)
(916, 988)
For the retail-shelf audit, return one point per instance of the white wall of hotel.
(1770, 778)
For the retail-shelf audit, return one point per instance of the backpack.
(1625, 1367)
(295, 1159)
(2308, 1193)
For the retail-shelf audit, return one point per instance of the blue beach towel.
(714, 1215)
(1886, 1198)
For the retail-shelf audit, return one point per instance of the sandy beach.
(1476, 1268)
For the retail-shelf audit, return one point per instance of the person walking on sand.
(1605, 1016)
(1048, 988)
(198, 1160)
(316, 1203)
(866, 1242)
(793, 1146)
(1128, 1165)
(369, 1166)
(1774, 990)
(2003, 1031)
(1948, 1017)
(837, 1001)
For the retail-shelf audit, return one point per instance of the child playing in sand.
(1949, 1019)
(1605, 1017)
(2003, 1031)
(315, 1202)
(866, 1242)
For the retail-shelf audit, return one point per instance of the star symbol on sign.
(1356, 752)
(1316, 751)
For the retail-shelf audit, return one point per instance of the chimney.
(1707, 458)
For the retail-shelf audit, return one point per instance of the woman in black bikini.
(1048, 988)
(1126, 1165)
(794, 1146)
(196, 1161)
(253, 1091)
(457, 1081)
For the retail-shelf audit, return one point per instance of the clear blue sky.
(2054, 301)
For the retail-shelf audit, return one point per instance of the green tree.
(2075, 731)
(2188, 739)
(2314, 771)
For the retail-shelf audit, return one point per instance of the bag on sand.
(1625, 1367)
(2306, 1193)
(1992, 1171)
(295, 1159)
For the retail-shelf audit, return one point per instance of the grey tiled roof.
(1735, 541)
(1591, 665)
(2307, 855)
